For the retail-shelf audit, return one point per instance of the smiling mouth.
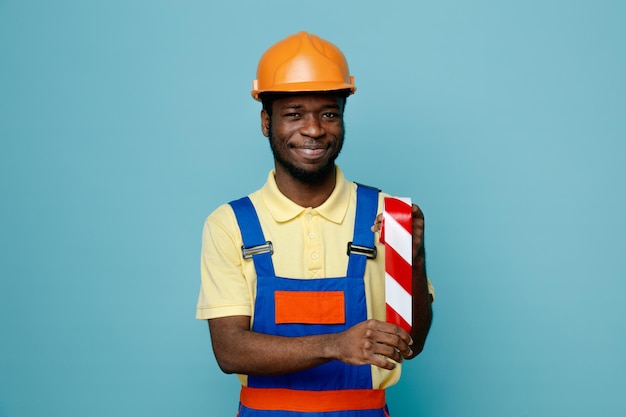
(310, 151)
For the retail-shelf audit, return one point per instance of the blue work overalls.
(334, 389)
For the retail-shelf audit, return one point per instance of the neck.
(306, 194)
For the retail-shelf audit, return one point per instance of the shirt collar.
(283, 209)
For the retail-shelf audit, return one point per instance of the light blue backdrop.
(124, 123)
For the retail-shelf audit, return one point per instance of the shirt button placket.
(314, 250)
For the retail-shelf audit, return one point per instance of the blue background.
(123, 124)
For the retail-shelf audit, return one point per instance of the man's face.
(306, 134)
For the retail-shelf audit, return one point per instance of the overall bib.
(299, 307)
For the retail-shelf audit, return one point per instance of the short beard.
(302, 175)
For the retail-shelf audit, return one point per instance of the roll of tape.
(396, 235)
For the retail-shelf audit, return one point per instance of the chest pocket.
(309, 307)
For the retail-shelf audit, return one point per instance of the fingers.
(418, 221)
(418, 230)
(417, 212)
(385, 341)
(377, 223)
(387, 358)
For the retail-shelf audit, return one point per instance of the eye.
(331, 115)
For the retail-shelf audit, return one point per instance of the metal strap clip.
(370, 253)
(248, 253)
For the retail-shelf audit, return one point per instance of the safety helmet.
(302, 62)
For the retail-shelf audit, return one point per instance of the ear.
(265, 123)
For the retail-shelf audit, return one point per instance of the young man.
(300, 318)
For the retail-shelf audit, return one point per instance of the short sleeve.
(224, 290)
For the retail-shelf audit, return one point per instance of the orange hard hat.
(300, 63)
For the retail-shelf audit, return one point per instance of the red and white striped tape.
(395, 234)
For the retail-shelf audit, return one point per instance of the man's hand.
(372, 342)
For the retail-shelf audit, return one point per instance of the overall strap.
(362, 246)
(254, 244)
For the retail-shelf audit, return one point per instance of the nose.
(312, 127)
